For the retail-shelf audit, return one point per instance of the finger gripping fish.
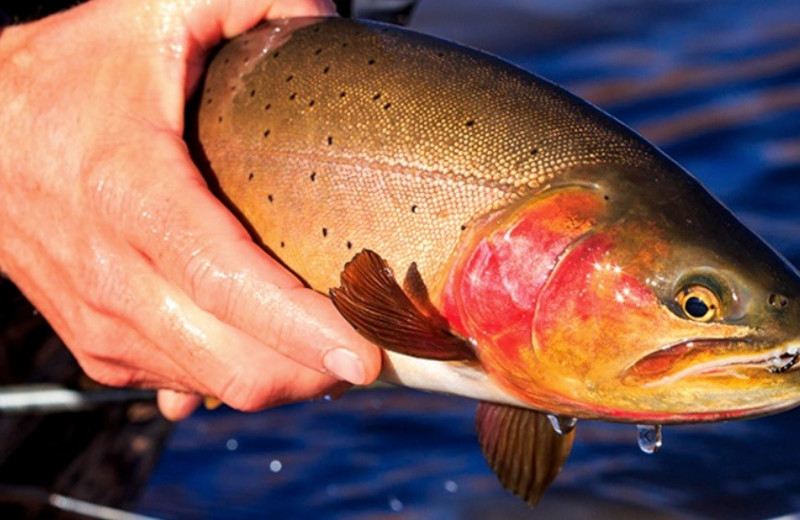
(499, 237)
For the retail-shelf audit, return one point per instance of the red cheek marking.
(492, 294)
(591, 304)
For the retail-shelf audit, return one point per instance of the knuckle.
(201, 276)
(104, 286)
(103, 350)
(281, 327)
(210, 284)
(109, 374)
(277, 330)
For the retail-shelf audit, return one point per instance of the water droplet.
(275, 466)
(649, 437)
(451, 486)
(395, 504)
(231, 444)
(562, 424)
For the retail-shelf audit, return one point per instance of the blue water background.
(716, 84)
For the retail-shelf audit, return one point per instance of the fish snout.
(786, 311)
(786, 358)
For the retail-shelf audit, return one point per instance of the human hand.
(109, 229)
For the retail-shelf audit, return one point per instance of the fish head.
(647, 302)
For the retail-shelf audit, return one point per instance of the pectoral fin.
(522, 448)
(373, 302)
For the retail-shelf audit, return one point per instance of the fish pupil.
(696, 307)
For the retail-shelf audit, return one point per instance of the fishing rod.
(78, 508)
(48, 398)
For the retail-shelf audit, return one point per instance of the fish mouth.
(709, 357)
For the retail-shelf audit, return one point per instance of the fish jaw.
(701, 356)
(764, 379)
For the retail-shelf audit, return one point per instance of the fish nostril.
(778, 301)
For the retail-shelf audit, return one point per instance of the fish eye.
(699, 303)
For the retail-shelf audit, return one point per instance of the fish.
(498, 237)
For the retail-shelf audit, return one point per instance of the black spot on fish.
(283, 244)
(276, 54)
(311, 103)
(252, 93)
(414, 208)
(267, 106)
(324, 232)
(371, 61)
(219, 119)
(330, 140)
(470, 123)
(250, 176)
(313, 176)
(463, 227)
(344, 45)
(376, 97)
(606, 197)
(289, 78)
(226, 60)
(209, 101)
(386, 106)
(326, 69)
(266, 133)
(292, 96)
(270, 197)
(349, 245)
(441, 55)
(318, 52)
(534, 151)
(342, 94)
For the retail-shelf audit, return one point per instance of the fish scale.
(480, 134)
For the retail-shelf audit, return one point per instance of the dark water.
(717, 85)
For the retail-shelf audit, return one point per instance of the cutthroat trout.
(500, 238)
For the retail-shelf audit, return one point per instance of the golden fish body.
(553, 260)
(330, 136)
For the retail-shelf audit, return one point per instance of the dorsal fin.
(372, 301)
(522, 448)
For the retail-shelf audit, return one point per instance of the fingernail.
(345, 365)
(211, 403)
